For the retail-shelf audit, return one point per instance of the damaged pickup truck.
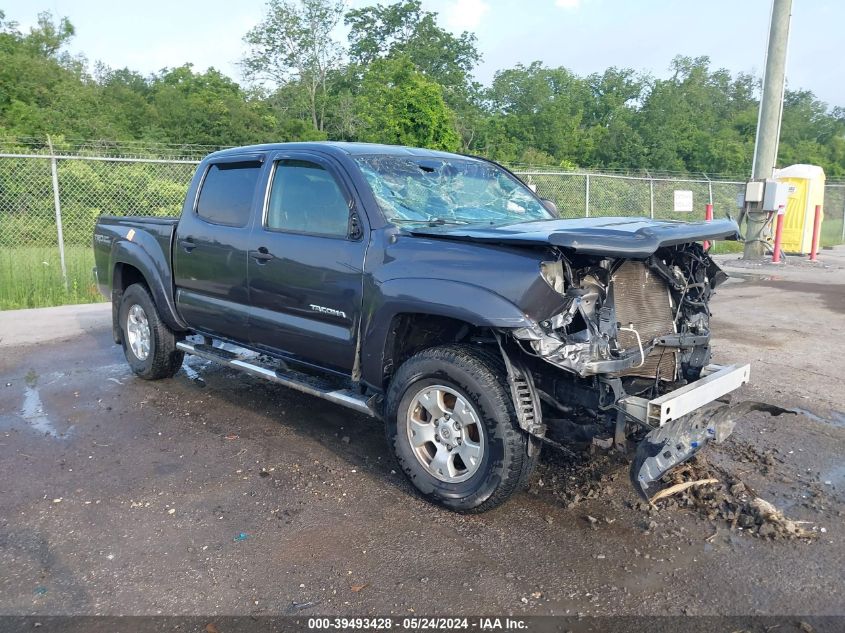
(436, 292)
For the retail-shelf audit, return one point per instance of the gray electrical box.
(754, 191)
(775, 195)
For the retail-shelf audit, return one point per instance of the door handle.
(187, 244)
(262, 255)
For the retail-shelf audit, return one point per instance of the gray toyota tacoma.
(438, 293)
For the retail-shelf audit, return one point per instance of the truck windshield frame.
(423, 190)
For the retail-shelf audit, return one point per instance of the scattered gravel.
(730, 500)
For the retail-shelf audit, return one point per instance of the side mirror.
(550, 206)
(355, 232)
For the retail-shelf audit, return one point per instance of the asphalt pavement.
(217, 493)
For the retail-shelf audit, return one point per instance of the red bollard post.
(708, 216)
(778, 238)
(817, 222)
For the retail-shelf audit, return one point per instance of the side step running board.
(299, 382)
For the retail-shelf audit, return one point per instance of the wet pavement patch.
(33, 412)
(837, 418)
(321, 515)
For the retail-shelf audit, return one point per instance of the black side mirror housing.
(550, 205)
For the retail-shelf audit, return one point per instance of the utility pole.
(768, 124)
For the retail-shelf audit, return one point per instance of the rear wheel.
(450, 420)
(148, 344)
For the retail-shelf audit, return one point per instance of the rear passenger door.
(306, 257)
(210, 254)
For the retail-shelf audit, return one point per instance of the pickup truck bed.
(161, 230)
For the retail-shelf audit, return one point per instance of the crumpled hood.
(618, 237)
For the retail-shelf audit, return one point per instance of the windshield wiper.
(430, 221)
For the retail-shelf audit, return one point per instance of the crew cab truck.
(439, 293)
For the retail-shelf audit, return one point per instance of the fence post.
(817, 225)
(587, 197)
(709, 188)
(651, 196)
(58, 208)
(842, 241)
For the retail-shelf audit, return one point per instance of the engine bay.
(644, 320)
(632, 346)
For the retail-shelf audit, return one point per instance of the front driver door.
(305, 264)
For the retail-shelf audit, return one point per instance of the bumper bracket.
(678, 440)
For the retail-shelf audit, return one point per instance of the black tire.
(163, 359)
(480, 377)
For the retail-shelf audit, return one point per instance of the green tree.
(207, 108)
(294, 45)
(810, 133)
(125, 97)
(536, 107)
(698, 120)
(400, 105)
(610, 138)
(407, 80)
(403, 28)
(42, 89)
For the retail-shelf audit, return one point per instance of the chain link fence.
(604, 195)
(49, 203)
(833, 226)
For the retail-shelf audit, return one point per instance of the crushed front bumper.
(715, 382)
(684, 420)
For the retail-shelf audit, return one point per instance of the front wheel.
(148, 344)
(451, 423)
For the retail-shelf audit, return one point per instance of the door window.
(305, 198)
(227, 193)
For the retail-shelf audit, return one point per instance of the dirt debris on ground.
(573, 480)
(704, 488)
(729, 500)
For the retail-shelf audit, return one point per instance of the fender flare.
(471, 304)
(156, 274)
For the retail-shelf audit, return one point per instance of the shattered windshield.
(448, 191)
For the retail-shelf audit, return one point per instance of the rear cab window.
(227, 192)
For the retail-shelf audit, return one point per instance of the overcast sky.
(582, 35)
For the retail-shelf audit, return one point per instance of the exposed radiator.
(642, 299)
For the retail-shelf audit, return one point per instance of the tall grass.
(31, 277)
(831, 232)
(723, 247)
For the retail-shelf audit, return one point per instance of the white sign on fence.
(683, 201)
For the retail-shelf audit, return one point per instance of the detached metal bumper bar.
(676, 435)
(717, 381)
